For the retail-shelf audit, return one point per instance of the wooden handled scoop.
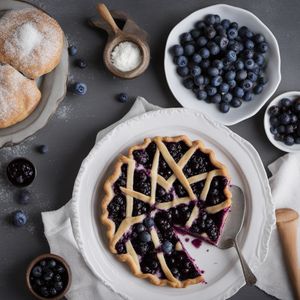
(286, 220)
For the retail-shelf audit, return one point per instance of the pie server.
(232, 228)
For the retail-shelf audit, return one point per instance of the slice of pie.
(164, 185)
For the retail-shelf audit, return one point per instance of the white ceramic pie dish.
(53, 87)
(296, 147)
(187, 98)
(222, 268)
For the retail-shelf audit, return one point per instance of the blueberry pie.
(164, 186)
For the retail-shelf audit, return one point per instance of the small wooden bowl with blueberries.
(282, 122)
(48, 276)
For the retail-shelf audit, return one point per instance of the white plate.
(296, 147)
(187, 98)
(222, 268)
(52, 86)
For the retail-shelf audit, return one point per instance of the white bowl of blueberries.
(223, 61)
(282, 122)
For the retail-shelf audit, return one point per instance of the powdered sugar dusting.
(25, 39)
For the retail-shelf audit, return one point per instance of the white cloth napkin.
(272, 276)
(285, 184)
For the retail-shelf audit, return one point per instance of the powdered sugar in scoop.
(126, 56)
(26, 38)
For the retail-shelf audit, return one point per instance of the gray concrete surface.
(71, 132)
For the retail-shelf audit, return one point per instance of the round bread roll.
(30, 41)
(19, 96)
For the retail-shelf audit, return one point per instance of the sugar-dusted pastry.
(30, 41)
(19, 96)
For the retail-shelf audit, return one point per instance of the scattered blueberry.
(19, 218)
(24, 197)
(167, 247)
(123, 97)
(144, 237)
(72, 50)
(148, 222)
(79, 88)
(81, 63)
(43, 149)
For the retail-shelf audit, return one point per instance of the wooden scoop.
(286, 220)
(116, 36)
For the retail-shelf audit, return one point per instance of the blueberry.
(177, 50)
(217, 64)
(217, 19)
(186, 37)
(167, 247)
(297, 140)
(284, 119)
(226, 98)
(44, 291)
(258, 89)
(57, 277)
(214, 50)
(58, 286)
(43, 263)
(239, 65)
(278, 137)
(297, 106)
(200, 24)
(243, 31)
(286, 102)
(19, 218)
(196, 58)
(236, 102)
(72, 50)
(211, 90)
(263, 47)
(148, 222)
(37, 271)
(60, 270)
(140, 227)
(24, 197)
(273, 130)
(249, 64)
(188, 83)
(259, 59)
(43, 149)
(262, 80)
(234, 46)
(189, 49)
(220, 30)
(224, 88)
(123, 97)
(294, 119)
(248, 96)
(232, 84)
(223, 42)
(231, 56)
(79, 88)
(183, 71)
(230, 75)
(289, 140)
(205, 63)
(195, 33)
(81, 63)
(201, 95)
(225, 23)
(216, 81)
(249, 44)
(181, 61)
(289, 129)
(241, 75)
(224, 107)
(53, 291)
(232, 33)
(216, 99)
(195, 71)
(281, 129)
(204, 52)
(212, 71)
(274, 121)
(201, 41)
(238, 92)
(258, 38)
(248, 53)
(210, 32)
(247, 84)
(199, 80)
(48, 275)
(252, 76)
(144, 237)
(210, 19)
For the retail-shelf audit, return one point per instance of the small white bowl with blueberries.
(282, 122)
(224, 62)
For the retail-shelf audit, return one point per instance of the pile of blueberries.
(285, 121)
(222, 63)
(49, 278)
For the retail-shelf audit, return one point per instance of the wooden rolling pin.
(286, 220)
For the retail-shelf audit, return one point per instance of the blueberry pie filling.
(164, 186)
